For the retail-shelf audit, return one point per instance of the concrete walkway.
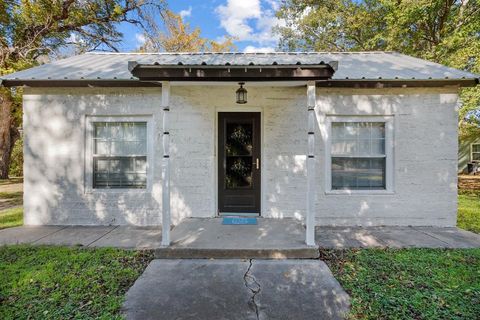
(268, 239)
(88, 236)
(395, 237)
(236, 289)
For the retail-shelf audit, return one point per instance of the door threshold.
(239, 214)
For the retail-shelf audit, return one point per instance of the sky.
(249, 21)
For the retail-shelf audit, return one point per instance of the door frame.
(215, 153)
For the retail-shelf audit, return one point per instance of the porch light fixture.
(241, 94)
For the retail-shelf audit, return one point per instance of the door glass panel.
(239, 172)
(238, 152)
(239, 139)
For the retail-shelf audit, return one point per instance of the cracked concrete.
(252, 284)
(236, 289)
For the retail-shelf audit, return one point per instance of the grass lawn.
(11, 200)
(66, 283)
(409, 283)
(469, 211)
(11, 217)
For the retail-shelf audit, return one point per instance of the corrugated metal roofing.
(351, 65)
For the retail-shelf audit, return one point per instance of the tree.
(177, 36)
(31, 30)
(443, 31)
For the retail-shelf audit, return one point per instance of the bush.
(16, 164)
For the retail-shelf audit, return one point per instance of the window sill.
(359, 192)
(117, 191)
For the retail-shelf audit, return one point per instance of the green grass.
(469, 211)
(12, 198)
(11, 218)
(66, 283)
(409, 283)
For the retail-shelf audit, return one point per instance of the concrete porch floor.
(271, 238)
(208, 238)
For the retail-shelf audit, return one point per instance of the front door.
(239, 162)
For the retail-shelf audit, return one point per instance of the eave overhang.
(397, 83)
(327, 83)
(85, 83)
(251, 72)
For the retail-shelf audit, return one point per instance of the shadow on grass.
(5, 182)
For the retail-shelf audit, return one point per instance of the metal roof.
(351, 65)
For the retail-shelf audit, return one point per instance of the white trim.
(389, 154)
(471, 151)
(215, 154)
(88, 169)
(166, 213)
(311, 180)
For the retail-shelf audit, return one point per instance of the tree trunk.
(8, 133)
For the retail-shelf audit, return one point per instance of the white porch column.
(166, 220)
(310, 218)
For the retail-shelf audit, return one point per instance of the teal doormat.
(239, 221)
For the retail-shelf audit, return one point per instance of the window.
(475, 152)
(119, 155)
(359, 155)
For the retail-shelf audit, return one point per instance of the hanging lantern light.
(241, 94)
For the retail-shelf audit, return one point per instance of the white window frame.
(471, 152)
(389, 153)
(90, 120)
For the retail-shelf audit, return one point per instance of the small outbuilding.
(469, 155)
(147, 139)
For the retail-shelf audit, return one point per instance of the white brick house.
(328, 138)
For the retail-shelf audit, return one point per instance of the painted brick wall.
(54, 148)
(425, 158)
(425, 154)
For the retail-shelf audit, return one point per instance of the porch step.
(208, 238)
(218, 253)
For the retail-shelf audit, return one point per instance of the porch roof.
(354, 68)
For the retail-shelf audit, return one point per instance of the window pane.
(120, 150)
(358, 139)
(141, 131)
(101, 147)
(364, 130)
(120, 138)
(120, 172)
(358, 173)
(101, 130)
(115, 130)
(128, 129)
(378, 147)
(476, 147)
(377, 130)
(476, 156)
(140, 164)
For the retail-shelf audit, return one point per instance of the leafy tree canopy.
(178, 36)
(32, 31)
(443, 31)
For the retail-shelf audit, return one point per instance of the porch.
(270, 238)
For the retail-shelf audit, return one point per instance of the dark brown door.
(239, 162)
